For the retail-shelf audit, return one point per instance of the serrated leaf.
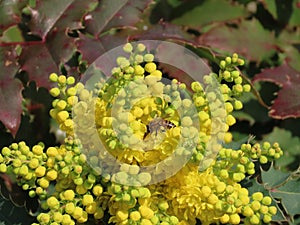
(248, 39)
(117, 13)
(201, 15)
(287, 103)
(282, 186)
(289, 195)
(273, 177)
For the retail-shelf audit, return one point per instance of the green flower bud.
(128, 48)
(54, 91)
(53, 77)
(140, 47)
(70, 80)
(148, 57)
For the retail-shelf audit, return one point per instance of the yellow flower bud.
(258, 196)
(235, 219)
(69, 195)
(34, 163)
(254, 220)
(150, 67)
(40, 171)
(157, 74)
(139, 70)
(51, 152)
(51, 175)
(62, 116)
(72, 100)
(147, 222)
(266, 200)
(225, 218)
(87, 199)
(230, 120)
(37, 150)
(91, 208)
(121, 215)
(83, 218)
(43, 182)
(255, 205)
(53, 203)
(206, 191)
(135, 216)
(62, 79)
(267, 219)
(77, 213)
(248, 211)
(273, 210)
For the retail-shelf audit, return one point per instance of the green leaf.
(209, 12)
(289, 195)
(284, 188)
(273, 178)
(12, 34)
(257, 45)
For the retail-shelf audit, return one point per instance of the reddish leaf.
(8, 62)
(53, 23)
(46, 14)
(163, 31)
(10, 101)
(117, 13)
(287, 104)
(10, 90)
(249, 39)
(92, 48)
(37, 61)
(185, 67)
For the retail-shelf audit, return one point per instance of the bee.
(158, 124)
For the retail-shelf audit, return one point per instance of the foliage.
(38, 38)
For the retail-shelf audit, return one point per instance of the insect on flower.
(158, 124)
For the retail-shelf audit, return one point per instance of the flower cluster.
(142, 120)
